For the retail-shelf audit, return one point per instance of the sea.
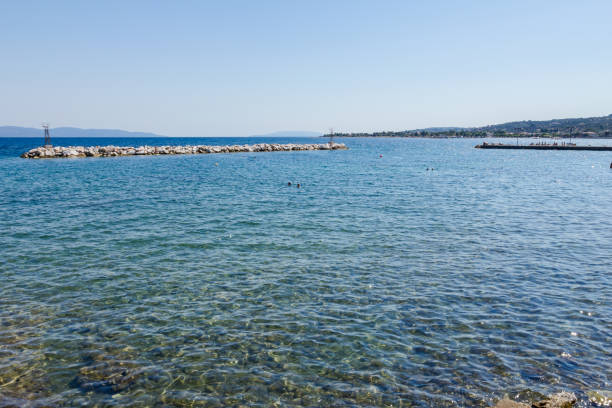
(401, 273)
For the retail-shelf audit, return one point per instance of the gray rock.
(112, 151)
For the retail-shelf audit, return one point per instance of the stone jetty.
(114, 151)
(486, 145)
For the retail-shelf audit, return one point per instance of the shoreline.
(67, 152)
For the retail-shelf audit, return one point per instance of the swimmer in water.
(289, 183)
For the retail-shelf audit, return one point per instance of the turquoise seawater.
(205, 280)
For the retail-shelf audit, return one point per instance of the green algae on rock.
(600, 398)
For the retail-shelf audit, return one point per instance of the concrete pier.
(542, 147)
(47, 152)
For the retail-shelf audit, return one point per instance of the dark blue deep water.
(205, 280)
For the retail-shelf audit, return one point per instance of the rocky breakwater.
(113, 151)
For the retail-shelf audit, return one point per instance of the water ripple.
(172, 281)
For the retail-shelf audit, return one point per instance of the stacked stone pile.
(112, 151)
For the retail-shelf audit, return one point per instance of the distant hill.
(291, 133)
(574, 127)
(439, 129)
(16, 131)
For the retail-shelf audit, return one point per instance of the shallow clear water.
(205, 280)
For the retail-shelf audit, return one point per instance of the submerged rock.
(107, 377)
(600, 398)
(558, 400)
(508, 403)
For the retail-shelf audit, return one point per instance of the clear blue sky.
(231, 68)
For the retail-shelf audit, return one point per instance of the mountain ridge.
(67, 131)
(73, 132)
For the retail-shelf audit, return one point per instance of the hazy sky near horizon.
(234, 68)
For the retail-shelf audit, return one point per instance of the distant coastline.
(593, 128)
(73, 132)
